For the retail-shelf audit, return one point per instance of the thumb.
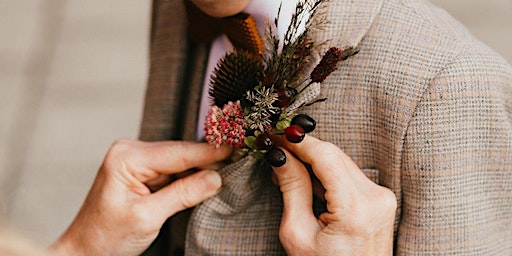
(184, 193)
(295, 184)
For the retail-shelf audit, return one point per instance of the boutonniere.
(256, 97)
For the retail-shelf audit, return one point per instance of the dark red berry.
(285, 96)
(275, 157)
(263, 142)
(294, 133)
(306, 122)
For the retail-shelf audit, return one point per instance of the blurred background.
(72, 78)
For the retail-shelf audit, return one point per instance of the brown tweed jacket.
(424, 109)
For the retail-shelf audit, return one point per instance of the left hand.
(121, 215)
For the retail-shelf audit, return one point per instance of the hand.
(121, 215)
(360, 216)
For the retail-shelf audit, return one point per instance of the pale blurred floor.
(72, 77)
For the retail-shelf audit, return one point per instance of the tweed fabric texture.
(424, 109)
(237, 221)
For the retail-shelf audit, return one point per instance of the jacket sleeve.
(457, 162)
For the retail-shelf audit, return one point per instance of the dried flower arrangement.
(256, 97)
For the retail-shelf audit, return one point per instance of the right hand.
(360, 216)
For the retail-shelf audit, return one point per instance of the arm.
(457, 162)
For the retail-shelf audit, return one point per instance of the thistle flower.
(327, 65)
(226, 125)
(236, 73)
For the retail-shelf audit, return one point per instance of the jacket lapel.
(195, 83)
(175, 76)
(348, 22)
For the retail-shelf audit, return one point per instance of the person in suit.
(132, 196)
(424, 109)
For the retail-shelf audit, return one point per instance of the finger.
(167, 157)
(295, 184)
(176, 156)
(184, 193)
(330, 164)
(318, 189)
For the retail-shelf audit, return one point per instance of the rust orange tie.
(241, 29)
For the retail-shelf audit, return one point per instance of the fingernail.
(275, 157)
(213, 180)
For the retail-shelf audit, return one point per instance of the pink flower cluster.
(226, 125)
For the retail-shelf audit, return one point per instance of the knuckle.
(119, 148)
(327, 149)
(122, 143)
(185, 193)
(292, 182)
(387, 200)
(178, 152)
(367, 214)
(117, 155)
